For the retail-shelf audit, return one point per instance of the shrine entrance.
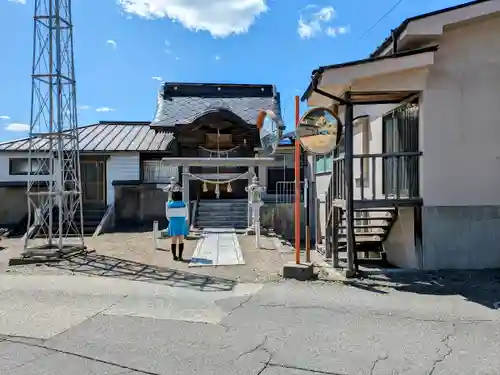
(233, 190)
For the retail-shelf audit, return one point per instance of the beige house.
(426, 142)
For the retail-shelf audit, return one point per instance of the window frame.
(31, 172)
(399, 134)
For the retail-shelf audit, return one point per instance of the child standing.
(178, 226)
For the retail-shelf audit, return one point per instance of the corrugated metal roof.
(106, 137)
(183, 103)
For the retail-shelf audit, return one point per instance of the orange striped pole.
(297, 182)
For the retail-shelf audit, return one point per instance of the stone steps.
(222, 213)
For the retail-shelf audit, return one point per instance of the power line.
(381, 18)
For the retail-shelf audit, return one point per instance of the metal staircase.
(371, 227)
(222, 213)
(92, 216)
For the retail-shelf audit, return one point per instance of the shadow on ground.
(482, 287)
(100, 265)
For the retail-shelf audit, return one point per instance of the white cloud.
(168, 44)
(221, 18)
(157, 78)
(4, 118)
(17, 1)
(344, 29)
(314, 21)
(217, 57)
(17, 127)
(104, 109)
(334, 31)
(84, 107)
(112, 43)
(177, 58)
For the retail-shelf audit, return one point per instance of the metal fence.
(285, 192)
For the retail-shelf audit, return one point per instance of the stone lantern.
(171, 187)
(255, 202)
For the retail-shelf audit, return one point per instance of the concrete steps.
(222, 213)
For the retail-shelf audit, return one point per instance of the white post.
(155, 235)
(255, 203)
(185, 190)
(250, 175)
(256, 221)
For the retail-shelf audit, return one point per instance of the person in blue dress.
(178, 227)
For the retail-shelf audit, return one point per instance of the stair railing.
(110, 211)
(194, 211)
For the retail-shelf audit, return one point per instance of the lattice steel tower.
(55, 221)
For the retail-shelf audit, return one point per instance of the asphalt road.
(81, 325)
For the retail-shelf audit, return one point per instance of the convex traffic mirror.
(270, 129)
(319, 131)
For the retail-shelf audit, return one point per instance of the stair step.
(218, 223)
(360, 238)
(222, 209)
(212, 216)
(361, 226)
(222, 214)
(371, 232)
(376, 209)
(221, 225)
(371, 217)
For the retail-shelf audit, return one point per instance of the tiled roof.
(182, 103)
(106, 137)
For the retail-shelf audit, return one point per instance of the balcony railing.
(154, 171)
(389, 176)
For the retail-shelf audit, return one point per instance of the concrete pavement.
(91, 325)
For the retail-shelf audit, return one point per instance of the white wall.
(400, 244)
(461, 132)
(122, 166)
(4, 167)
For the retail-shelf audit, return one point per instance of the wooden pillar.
(349, 182)
(336, 223)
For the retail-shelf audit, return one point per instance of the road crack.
(81, 356)
(240, 305)
(375, 313)
(377, 361)
(266, 364)
(258, 347)
(312, 371)
(446, 342)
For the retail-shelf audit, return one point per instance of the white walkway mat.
(217, 247)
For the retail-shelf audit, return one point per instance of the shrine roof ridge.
(217, 90)
(184, 103)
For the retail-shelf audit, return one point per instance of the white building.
(432, 152)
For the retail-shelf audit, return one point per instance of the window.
(324, 163)
(364, 164)
(400, 134)
(20, 167)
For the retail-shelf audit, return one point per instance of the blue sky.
(124, 49)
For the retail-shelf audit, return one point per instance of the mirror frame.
(261, 117)
(340, 128)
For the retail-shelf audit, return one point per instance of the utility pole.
(54, 192)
